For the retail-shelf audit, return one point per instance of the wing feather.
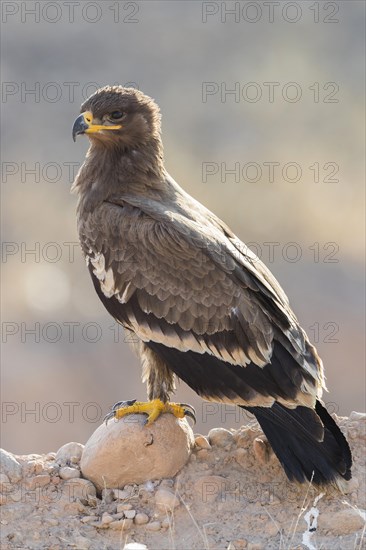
(191, 285)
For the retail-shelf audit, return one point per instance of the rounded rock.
(68, 452)
(10, 466)
(166, 500)
(81, 489)
(123, 507)
(107, 518)
(128, 451)
(69, 473)
(141, 518)
(154, 526)
(202, 442)
(220, 437)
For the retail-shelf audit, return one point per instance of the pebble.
(166, 523)
(81, 489)
(120, 515)
(107, 518)
(69, 473)
(166, 500)
(202, 442)
(10, 466)
(88, 519)
(50, 456)
(37, 481)
(121, 524)
(135, 546)
(153, 526)
(68, 451)
(123, 507)
(130, 514)
(220, 437)
(141, 518)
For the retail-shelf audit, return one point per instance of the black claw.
(118, 405)
(189, 411)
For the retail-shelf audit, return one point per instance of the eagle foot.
(153, 409)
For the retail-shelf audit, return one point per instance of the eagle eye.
(116, 115)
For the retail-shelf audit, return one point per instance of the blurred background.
(263, 122)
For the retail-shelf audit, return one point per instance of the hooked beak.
(84, 125)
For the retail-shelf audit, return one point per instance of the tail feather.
(307, 442)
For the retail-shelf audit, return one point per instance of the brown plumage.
(202, 305)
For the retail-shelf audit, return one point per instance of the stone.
(69, 451)
(88, 519)
(50, 456)
(68, 473)
(153, 526)
(123, 507)
(107, 518)
(166, 500)
(37, 481)
(79, 489)
(130, 514)
(166, 523)
(220, 437)
(202, 442)
(135, 546)
(127, 451)
(141, 518)
(10, 466)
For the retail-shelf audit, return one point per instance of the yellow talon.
(153, 409)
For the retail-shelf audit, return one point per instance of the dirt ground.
(232, 494)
